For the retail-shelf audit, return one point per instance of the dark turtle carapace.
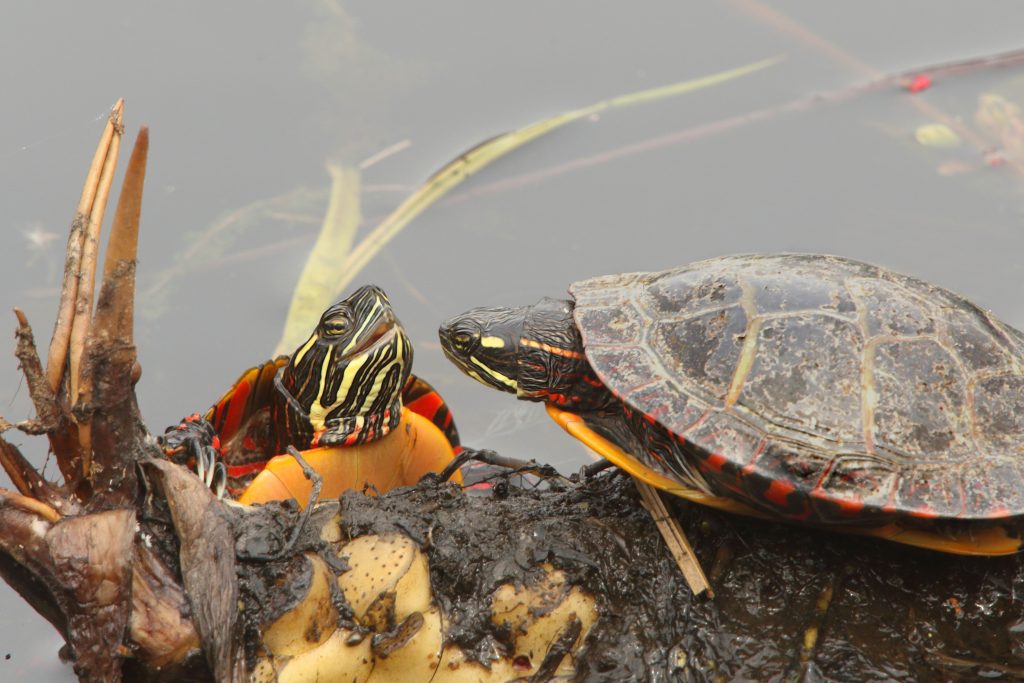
(811, 388)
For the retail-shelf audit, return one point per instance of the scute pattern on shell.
(821, 387)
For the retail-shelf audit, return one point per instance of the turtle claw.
(206, 464)
(212, 471)
(220, 480)
(194, 443)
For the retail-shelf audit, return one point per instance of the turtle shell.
(817, 387)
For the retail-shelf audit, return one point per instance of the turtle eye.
(464, 341)
(338, 325)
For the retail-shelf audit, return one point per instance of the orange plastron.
(412, 449)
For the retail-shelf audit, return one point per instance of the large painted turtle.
(346, 397)
(810, 388)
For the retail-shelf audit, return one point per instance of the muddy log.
(148, 576)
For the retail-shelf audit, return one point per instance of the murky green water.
(246, 105)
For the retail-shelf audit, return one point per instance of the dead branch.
(30, 483)
(43, 397)
(87, 280)
(106, 402)
(675, 539)
(52, 418)
(72, 261)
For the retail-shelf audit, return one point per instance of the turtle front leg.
(194, 443)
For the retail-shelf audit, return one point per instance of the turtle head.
(348, 376)
(484, 343)
(534, 352)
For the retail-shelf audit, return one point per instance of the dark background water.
(247, 104)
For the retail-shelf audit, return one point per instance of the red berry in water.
(919, 83)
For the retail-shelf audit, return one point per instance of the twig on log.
(58, 353)
(83, 307)
(43, 397)
(52, 418)
(29, 505)
(90, 249)
(675, 539)
(115, 435)
(28, 482)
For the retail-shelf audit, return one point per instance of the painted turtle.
(346, 397)
(810, 388)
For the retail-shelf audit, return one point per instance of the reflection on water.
(247, 105)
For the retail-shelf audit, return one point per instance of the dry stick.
(30, 505)
(114, 318)
(86, 286)
(58, 353)
(25, 478)
(90, 249)
(52, 418)
(675, 539)
(707, 130)
(123, 243)
(47, 408)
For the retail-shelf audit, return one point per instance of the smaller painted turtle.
(811, 388)
(346, 397)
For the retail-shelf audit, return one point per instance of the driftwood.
(148, 576)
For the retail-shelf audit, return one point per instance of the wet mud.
(790, 603)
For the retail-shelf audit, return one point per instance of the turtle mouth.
(385, 330)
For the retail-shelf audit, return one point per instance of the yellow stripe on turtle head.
(317, 411)
(371, 318)
(305, 348)
(497, 376)
(492, 342)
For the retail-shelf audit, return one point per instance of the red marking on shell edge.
(716, 461)
(849, 506)
(778, 492)
(924, 512)
(229, 422)
(236, 471)
(1000, 512)
(919, 83)
(427, 405)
